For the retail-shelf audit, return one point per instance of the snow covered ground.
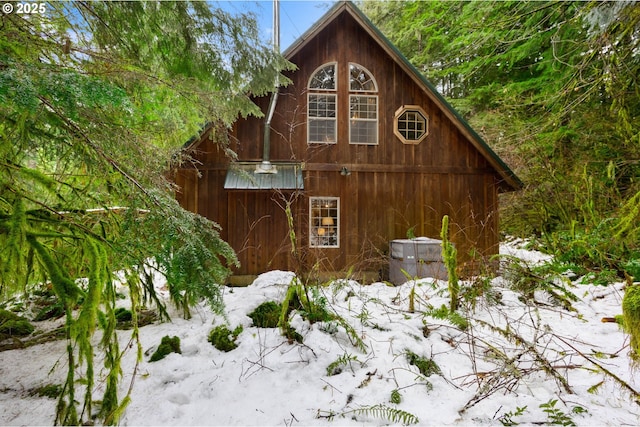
(510, 365)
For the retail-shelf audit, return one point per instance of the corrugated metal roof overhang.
(243, 176)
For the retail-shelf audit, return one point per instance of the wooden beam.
(365, 167)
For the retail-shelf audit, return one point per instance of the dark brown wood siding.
(392, 187)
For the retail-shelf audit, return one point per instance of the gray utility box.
(420, 257)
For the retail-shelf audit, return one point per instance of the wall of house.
(391, 187)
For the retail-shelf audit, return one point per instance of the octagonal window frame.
(397, 128)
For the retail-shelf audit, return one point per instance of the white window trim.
(318, 91)
(401, 111)
(376, 120)
(312, 229)
(373, 79)
(327, 119)
(335, 77)
(366, 94)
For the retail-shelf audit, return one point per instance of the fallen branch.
(619, 380)
(531, 348)
(145, 317)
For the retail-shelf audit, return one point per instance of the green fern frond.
(354, 337)
(393, 415)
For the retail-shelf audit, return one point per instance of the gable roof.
(510, 179)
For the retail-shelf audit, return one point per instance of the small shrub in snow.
(450, 258)
(167, 345)
(454, 317)
(396, 397)
(507, 419)
(556, 416)
(223, 339)
(266, 315)
(291, 334)
(427, 367)
(527, 280)
(480, 288)
(123, 315)
(337, 365)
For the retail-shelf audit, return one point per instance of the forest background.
(553, 88)
(97, 99)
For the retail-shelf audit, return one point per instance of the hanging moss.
(631, 315)
(449, 255)
(167, 345)
(15, 248)
(63, 286)
(291, 302)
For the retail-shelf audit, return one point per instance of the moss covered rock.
(167, 345)
(223, 339)
(12, 325)
(266, 315)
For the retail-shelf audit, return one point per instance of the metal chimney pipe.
(276, 25)
(266, 166)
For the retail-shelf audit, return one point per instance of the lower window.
(324, 222)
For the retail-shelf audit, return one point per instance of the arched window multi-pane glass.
(360, 79)
(322, 105)
(363, 106)
(324, 78)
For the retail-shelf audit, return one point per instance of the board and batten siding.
(391, 187)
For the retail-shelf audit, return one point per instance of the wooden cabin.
(361, 149)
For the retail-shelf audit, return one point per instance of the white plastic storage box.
(420, 257)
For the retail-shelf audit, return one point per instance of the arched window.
(363, 106)
(322, 106)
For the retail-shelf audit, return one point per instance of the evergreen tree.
(553, 87)
(96, 101)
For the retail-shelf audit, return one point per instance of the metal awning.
(247, 176)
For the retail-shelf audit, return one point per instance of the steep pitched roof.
(510, 179)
